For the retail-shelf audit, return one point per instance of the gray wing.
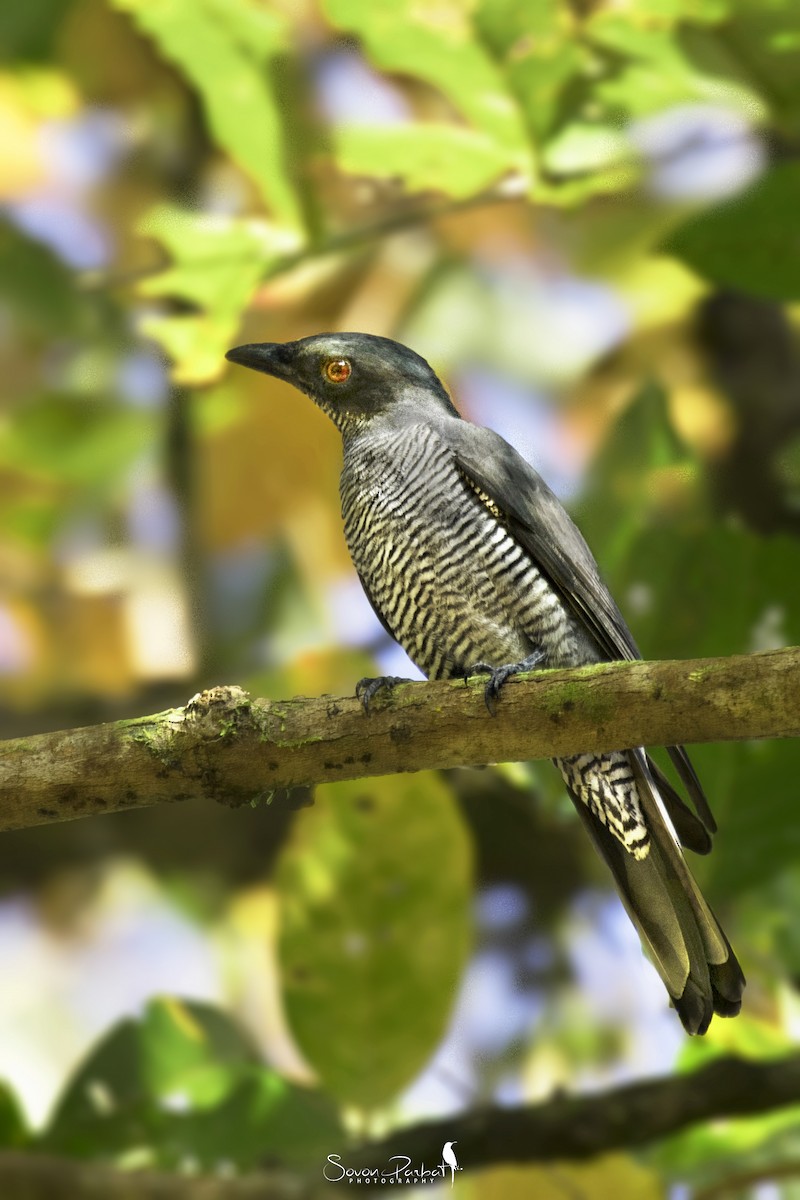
(540, 523)
(686, 943)
(537, 519)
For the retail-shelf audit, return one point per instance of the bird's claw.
(498, 676)
(367, 689)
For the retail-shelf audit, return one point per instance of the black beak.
(273, 358)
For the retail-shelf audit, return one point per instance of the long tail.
(683, 937)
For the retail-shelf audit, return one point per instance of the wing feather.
(537, 519)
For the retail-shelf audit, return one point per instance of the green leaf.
(67, 452)
(14, 1130)
(100, 1111)
(28, 31)
(711, 589)
(728, 1140)
(788, 466)
(75, 441)
(582, 147)
(190, 1049)
(541, 53)
(766, 917)
(653, 69)
(439, 46)
(224, 49)
(375, 891)
(753, 793)
(185, 1083)
(751, 242)
(36, 286)
(656, 289)
(31, 520)
(569, 193)
(762, 47)
(264, 1117)
(711, 11)
(621, 499)
(432, 156)
(217, 264)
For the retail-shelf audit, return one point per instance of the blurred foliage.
(225, 48)
(375, 931)
(677, 570)
(731, 1145)
(585, 216)
(723, 246)
(183, 1085)
(607, 1178)
(217, 263)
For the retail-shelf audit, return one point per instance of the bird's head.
(353, 377)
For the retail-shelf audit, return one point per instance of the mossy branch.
(233, 749)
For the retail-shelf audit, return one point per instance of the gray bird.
(472, 564)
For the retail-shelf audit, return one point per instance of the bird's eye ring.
(337, 370)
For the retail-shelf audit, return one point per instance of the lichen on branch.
(228, 747)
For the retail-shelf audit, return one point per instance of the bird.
(449, 1160)
(473, 565)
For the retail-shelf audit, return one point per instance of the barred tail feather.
(678, 929)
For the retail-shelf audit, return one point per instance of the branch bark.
(581, 1127)
(235, 750)
(566, 1127)
(52, 1177)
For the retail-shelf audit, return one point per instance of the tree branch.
(508, 191)
(565, 1127)
(52, 1177)
(581, 1127)
(225, 746)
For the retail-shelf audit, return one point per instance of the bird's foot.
(499, 675)
(367, 689)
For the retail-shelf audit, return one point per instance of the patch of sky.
(491, 1012)
(620, 986)
(349, 92)
(142, 380)
(65, 228)
(354, 623)
(529, 420)
(238, 581)
(702, 152)
(132, 939)
(80, 152)
(152, 518)
(501, 907)
(524, 320)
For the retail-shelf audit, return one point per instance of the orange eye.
(337, 370)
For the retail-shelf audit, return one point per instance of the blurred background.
(586, 215)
